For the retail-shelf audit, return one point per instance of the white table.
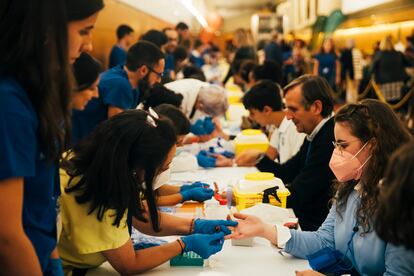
(261, 259)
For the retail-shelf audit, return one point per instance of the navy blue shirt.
(117, 57)
(21, 156)
(169, 64)
(273, 52)
(114, 90)
(327, 67)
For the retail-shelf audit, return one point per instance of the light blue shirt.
(369, 254)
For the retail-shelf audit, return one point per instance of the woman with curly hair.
(366, 135)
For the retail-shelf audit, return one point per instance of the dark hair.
(246, 67)
(264, 93)
(197, 43)
(180, 53)
(159, 94)
(86, 70)
(237, 65)
(143, 53)
(81, 9)
(269, 70)
(193, 72)
(314, 88)
(181, 26)
(123, 30)
(156, 37)
(375, 122)
(395, 217)
(134, 146)
(34, 43)
(180, 121)
(333, 51)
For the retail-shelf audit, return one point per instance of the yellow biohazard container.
(251, 139)
(249, 191)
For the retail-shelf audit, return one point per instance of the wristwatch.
(259, 158)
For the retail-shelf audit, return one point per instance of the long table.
(260, 259)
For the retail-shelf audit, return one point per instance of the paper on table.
(269, 214)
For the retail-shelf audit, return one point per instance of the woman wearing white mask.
(366, 134)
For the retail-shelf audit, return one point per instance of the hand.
(222, 161)
(196, 184)
(247, 158)
(198, 128)
(308, 273)
(204, 226)
(248, 226)
(198, 194)
(208, 125)
(203, 244)
(205, 160)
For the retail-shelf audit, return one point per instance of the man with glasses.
(122, 87)
(307, 174)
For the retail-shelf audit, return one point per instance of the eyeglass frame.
(159, 75)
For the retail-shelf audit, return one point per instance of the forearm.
(269, 233)
(167, 189)
(169, 225)
(170, 200)
(146, 259)
(14, 250)
(272, 153)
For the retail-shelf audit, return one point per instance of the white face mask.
(161, 179)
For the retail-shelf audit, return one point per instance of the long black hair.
(116, 164)
(34, 47)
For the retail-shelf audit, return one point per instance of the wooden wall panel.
(114, 14)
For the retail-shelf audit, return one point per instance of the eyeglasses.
(159, 75)
(340, 145)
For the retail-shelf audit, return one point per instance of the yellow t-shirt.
(83, 236)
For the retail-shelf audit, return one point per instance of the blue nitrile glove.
(198, 128)
(208, 125)
(199, 194)
(204, 226)
(205, 161)
(203, 244)
(225, 153)
(54, 268)
(196, 184)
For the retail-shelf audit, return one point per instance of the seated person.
(86, 70)
(307, 174)
(264, 102)
(100, 201)
(363, 145)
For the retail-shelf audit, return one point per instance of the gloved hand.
(203, 244)
(225, 153)
(198, 128)
(198, 194)
(196, 184)
(204, 226)
(205, 161)
(208, 125)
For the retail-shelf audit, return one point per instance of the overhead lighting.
(188, 4)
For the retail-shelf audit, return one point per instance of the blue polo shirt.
(114, 90)
(21, 156)
(117, 56)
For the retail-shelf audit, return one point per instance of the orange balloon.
(214, 20)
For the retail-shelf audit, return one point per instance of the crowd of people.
(86, 152)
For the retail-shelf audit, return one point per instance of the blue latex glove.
(54, 268)
(198, 128)
(203, 244)
(198, 194)
(204, 226)
(225, 153)
(205, 161)
(196, 184)
(208, 125)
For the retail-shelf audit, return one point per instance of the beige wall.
(114, 14)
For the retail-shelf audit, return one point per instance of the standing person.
(352, 67)
(388, 68)
(39, 41)
(121, 87)
(273, 50)
(118, 55)
(169, 49)
(307, 174)
(326, 64)
(366, 134)
(183, 35)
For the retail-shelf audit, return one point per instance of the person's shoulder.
(13, 96)
(115, 76)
